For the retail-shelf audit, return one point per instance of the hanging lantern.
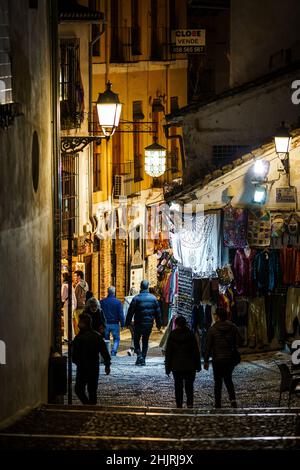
(282, 140)
(155, 159)
(109, 110)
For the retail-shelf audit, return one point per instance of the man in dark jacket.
(86, 348)
(93, 309)
(221, 343)
(113, 312)
(144, 308)
(183, 359)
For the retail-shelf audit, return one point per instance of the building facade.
(26, 221)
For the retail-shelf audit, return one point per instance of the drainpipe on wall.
(181, 143)
(90, 127)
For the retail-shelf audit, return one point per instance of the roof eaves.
(263, 80)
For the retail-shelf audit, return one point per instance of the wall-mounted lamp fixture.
(109, 111)
(260, 194)
(261, 169)
(282, 145)
(155, 159)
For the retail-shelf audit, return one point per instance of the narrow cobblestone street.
(256, 379)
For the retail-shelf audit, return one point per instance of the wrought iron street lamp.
(282, 145)
(155, 159)
(109, 111)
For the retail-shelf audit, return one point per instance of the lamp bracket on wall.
(138, 127)
(74, 144)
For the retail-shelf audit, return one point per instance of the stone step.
(137, 427)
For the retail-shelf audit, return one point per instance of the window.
(154, 31)
(69, 193)
(174, 104)
(116, 51)
(5, 63)
(173, 17)
(224, 154)
(174, 152)
(135, 28)
(97, 172)
(71, 88)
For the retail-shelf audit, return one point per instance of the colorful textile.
(259, 227)
(235, 227)
(242, 268)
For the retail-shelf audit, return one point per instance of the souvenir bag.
(259, 227)
(277, 226)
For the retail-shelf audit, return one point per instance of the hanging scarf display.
(235, 227)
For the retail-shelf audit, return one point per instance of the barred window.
(224, 154)
(71, 87)
(5, 62)
(70, 178)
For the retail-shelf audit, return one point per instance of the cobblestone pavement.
(256, 380)
(136, 411)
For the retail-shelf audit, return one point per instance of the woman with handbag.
(221, 343)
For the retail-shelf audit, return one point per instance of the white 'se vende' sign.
(188, 40)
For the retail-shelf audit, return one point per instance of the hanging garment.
(288, 260)
(235, 227)
(259, 227)
(292, 308)
(267, 273)
(240, 317)
(243, 276)
(257, 325)
(201, 290)
(275, 316)
(199, 245)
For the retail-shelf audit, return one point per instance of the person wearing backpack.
(222, 341)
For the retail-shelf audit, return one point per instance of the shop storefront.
(239, 255)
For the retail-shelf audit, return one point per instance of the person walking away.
(94, 310)
(87, 345)
(113, 312)
(64, 299)
(222, 341)
(127, 302)
(182, 358)
(81, 288)
(144, 309)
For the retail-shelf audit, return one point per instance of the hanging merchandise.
(225, 275)
(185, 290)
(243, 275)
(257, 326)
(199, 245)
(235, 227)
(292, 311)
(277, 226)
(275, 315)
(266, 271)
(152, 270)
(289, 260)
(259, 227)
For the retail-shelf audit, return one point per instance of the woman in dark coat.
(222, 341)
(183, 359)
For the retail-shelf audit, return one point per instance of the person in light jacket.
(127, 302)
(65, 301)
